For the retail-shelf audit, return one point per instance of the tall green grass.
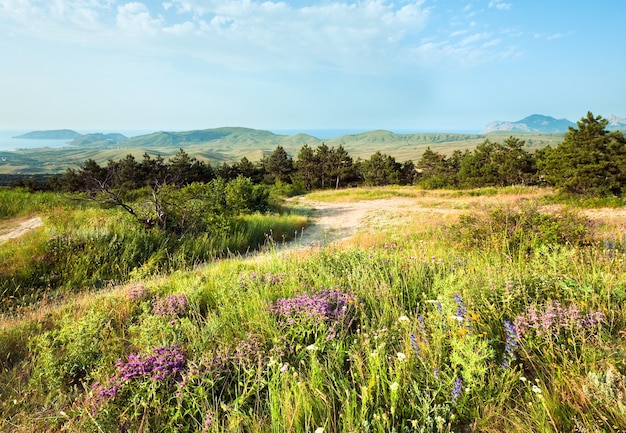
(84, 246)
(16, 202)
(411, 335)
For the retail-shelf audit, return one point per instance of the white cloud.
(364, 37)
(498, 4)
(135, 18)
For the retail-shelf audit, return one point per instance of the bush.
(522, 229)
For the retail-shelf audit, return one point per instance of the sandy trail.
(338, 221)
(333, 222)
(19, 228)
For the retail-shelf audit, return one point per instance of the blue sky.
(425, 65)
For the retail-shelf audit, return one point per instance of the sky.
(410, 65)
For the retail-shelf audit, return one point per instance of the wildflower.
(456, 390)
(312, 348)
(414, 345)
(137, 293)
(511, 344)
(394, 387)
(165, 363)
(461, 311)
(284, 368)
(327, 306)
(319, 430)
(536, 389)
(552, 318)
(403, 319)
(208, 421)
(170, 306)
(401, 356)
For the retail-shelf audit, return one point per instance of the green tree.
(341, 166)
(589, 161)
(279, 166)
(380, 169)
(480, 167)
(435, 170)
(184, 169)
(323, 157)
(307, 167)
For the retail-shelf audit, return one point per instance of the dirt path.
(338, 221)
(17, 228)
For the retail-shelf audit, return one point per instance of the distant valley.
(230, 144)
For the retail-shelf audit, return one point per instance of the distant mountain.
(533, 123)
(98, 138)
(616, 123)
(57, 134)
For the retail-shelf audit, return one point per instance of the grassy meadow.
(506, 316)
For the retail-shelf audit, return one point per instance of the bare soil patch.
(334, 222)
(17, 227)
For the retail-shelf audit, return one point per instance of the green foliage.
(521, 230)
(590, 161)
(83, 246)
(381, 170)
(447, 332)
(494, 164)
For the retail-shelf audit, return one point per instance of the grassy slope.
(423, 351)
(231, 144)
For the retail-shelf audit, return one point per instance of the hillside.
(232, 143)
(57, 134)
(98, 139)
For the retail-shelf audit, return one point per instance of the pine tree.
(589, 161)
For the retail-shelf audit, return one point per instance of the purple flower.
(461, 311)
(163, 364)
(552, 318)
(415, 346)
(457, 388)
(208, 422)
(137, 293)
(511, 344)
(327, 306)
(170, 306)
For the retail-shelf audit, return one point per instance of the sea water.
(8, 143)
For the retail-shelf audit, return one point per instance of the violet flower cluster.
(137, 293)
(328, 306)
(552, 318)
(170, 306)
(457, 389)
(510, 345)
(163, 364)
(461, 313)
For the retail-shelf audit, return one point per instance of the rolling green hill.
(230, 144)
(56, 134)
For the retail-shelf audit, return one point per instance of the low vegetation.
(510, 319)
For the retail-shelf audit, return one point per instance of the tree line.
(590, 161)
